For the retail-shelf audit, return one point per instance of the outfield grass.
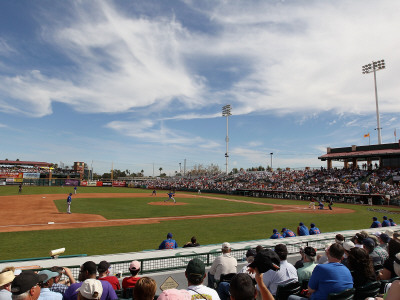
(117, 239)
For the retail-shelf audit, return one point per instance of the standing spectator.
(195, 274)
(360, 265)
(302, 229)
(45, 293)
(314, 229)
(287, 233)
(385, 222)
(5, 284)
(26, 286)
(276, 234)
(308, 256)
(104, 274)
(169, 243)
(145, 289)
(224, 264)
(130, 282)
(375, 223)
(192, 243)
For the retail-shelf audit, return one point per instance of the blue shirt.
(302, 230)
(376, 224)
(69, 199)
(46, 294)
(170, 195)
(108, 292)
(168, 244)
(393, 224)
(276, 235)
(314, 230)
(288, 233)
(385, 223)
(329, 278)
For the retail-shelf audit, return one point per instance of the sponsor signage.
(119, 183)
(107, 183)
(11, 175)
(71, 182)
(99, 183)
(84, 183)
(31, 175)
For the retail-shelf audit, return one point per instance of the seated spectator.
(385, 222)
(388, 270)
(308, 256)
(104, 274)
(90, 289)
(287, 272)
(302, 229)
(383, 240)
(192, 243)
(46, 284)
(88, 271)
(393, 289)
(375, 223)
(339, 239)
(169, 243)
(250, 254)
(195, 274)
(58, 286)
(174, 294)
(314, 229)
(347, 246)
(5, 284)
(377, 254)
(242, 287)
(224, 264)
(287, 233)
(130, 282)
(145, 289)
(392, 223)
(276, 234)
(26, 286)
(361, 267)
(358, 239)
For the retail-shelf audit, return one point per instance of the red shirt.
(113, 281)
(129, 282)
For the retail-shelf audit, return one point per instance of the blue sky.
(142, 83)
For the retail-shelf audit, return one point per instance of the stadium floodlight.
(369, 68)
(226, 112)
(271, 159)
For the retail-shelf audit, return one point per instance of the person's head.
(368, 244)
(275, 231)
(226, 247)
(59, 270)
(309, 254)
(69, 194)
(259, 248)
(193, 240)
(195, 272)
(339, 239)
(390, 220)
(301, 224)
(134, 267)
(358, 238)
(335, 252)
(103, 268)
(88, 270)
(393, 247)
(312, 225)
(242, 287)
(50, 277)
(374, 219)
(360, 262)
(26, 286)
(384, 238)
(282, 251)
(250, 254)
(90, 289)
(284, 229)
(5, 280)
(385, 218)
(145, 289)
(169, 235)
(347, 246)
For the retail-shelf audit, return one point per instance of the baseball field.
(108, 220)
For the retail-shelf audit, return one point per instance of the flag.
(366, 135)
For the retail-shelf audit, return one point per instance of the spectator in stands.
(361, 267)
(58, 286)
(242, 287)
(192, 243)
(250, 254)
(392, 223)
(308, 257)
(347, 246)
(259, 248)
(339, 239)
(26, 286)
(130, 282)
(383, 240)
(377, 254)
(287, 233)
(145, 289)
(195, 274)
(224, 264)
(5, 284)
(385, 222)
(104, 274)
(276, 234)
(358, 239)
(332, 277)
(46, 284)
(314, 229)
(169, 243)
(90, 289)
(88, 271)
(302, 229)
(174, 294)
(287, 272)
(388, 270)
(375, 223)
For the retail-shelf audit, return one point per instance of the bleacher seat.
(369, 290)
(343, 295)
(284, 291)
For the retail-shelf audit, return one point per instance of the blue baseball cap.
(169, 235)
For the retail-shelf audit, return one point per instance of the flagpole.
(369, 139)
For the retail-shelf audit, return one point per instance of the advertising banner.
(71, 182)
(107, 183)
(119, 183)
(11, 175)
(31, 175)
(92, 183)
(99, 183)
(84, 183)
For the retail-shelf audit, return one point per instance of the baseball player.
(170, 196)
(75, 189)
(312, 203)
(154, 193)
(69, 200)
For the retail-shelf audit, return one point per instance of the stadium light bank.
(226, 112)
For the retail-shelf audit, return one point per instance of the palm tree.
(160, 170)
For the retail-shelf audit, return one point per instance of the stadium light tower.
(271, 159)
(226, 112)
(373, 67)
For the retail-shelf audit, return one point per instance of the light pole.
(373, 67)
(226, 112)
(180, 169)
(271, 159)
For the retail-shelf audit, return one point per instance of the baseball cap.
(348, 245)
(174, 294)
(266, 260)
(251, 252)
(169, 235)
(369, 243)
(69, 194)
(91, 289)
(384, 237)
(226, 245)
(103, 266)
(275, 230)
(375, 218)
(135, 265)
(312, 225)
(49, 274)
(310, 251)
(389, 232)
(384, 217)
(195, 268)
(283, 229)
(6, 277)
(25, 281)
(301, 224)
(377, 233)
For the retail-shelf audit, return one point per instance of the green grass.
(130, 238)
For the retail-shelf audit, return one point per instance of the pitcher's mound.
(167, 203)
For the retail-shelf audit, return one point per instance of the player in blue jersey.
(375, 223)
(169, 243)
(170, 196)
(314, 229)
(287, 233)
(302, 229)
(276, 235)
(392, 223)
(69, 200)
(386, 222)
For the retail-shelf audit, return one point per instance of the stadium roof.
(361, 154)
(25, 163)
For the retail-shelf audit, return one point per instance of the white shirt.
(286, 274)
(223, 264)
(208, 293)
(5, 294)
